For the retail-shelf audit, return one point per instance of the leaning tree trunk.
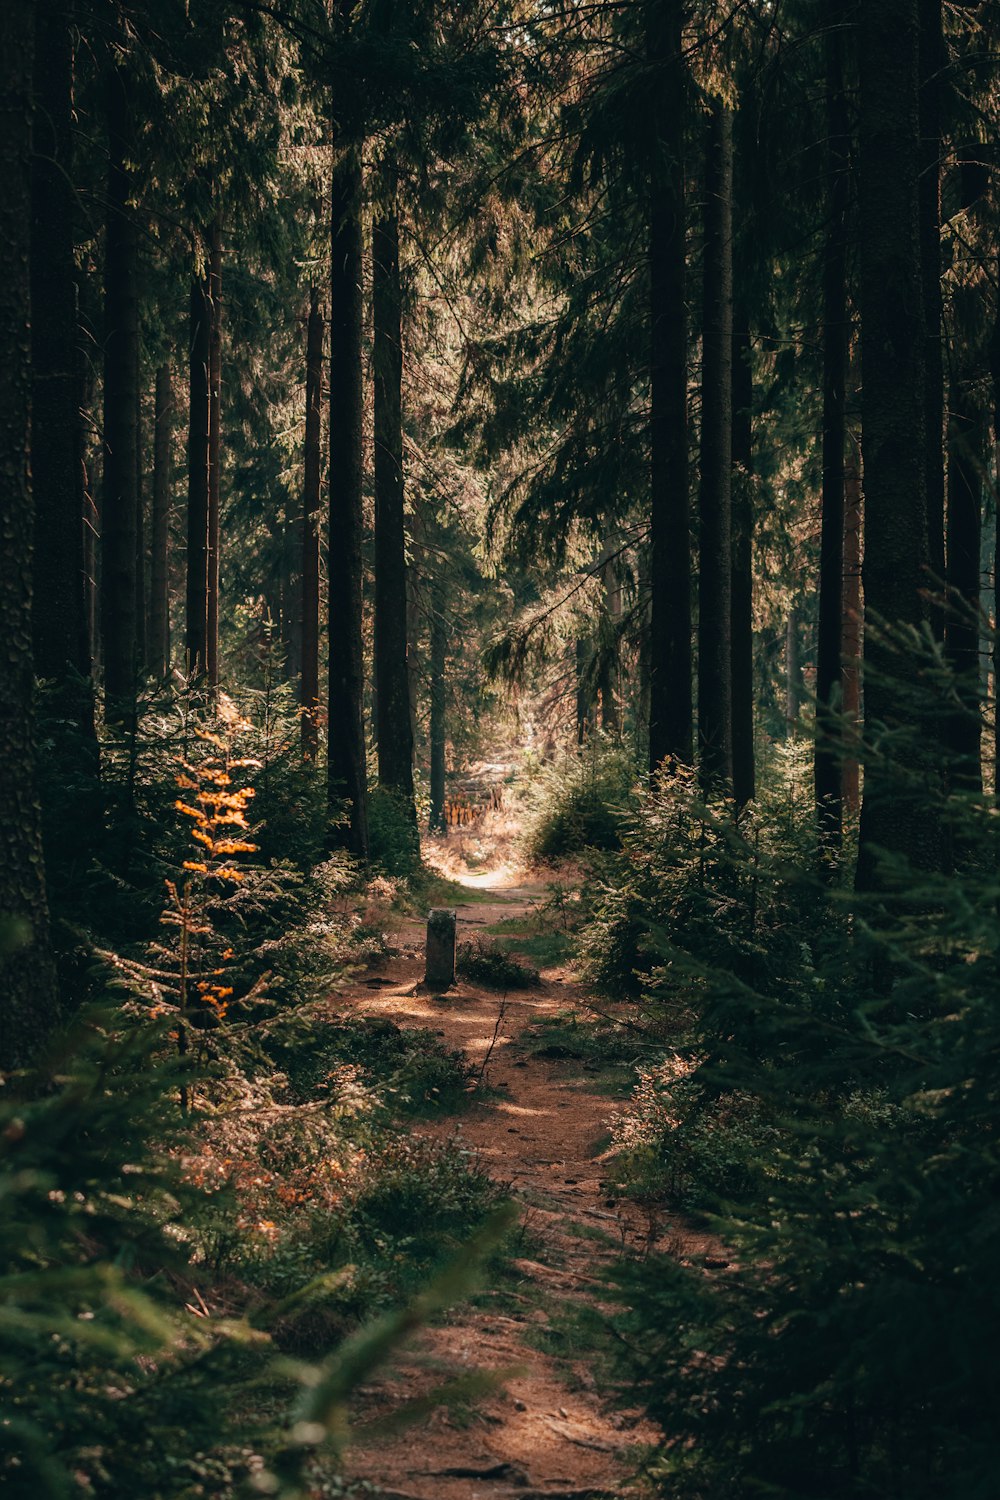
(119, 501)
(669, 659)
(439, 662)
(27, 978)
(214, 451)
(196, 647)
(347, 777)
(932, 59)
(393, 723)
(311, 480)
(893, 815)
(159, 588)
(59, 627)
(836, 349)
(715, 740)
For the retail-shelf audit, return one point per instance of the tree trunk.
(967, 460)
(893, 818)
(744, 771)
(584, 693)
(196, 648)
(851, 636)
(309, 681)
(994, 361)
(836, 349)
(91, 547)
(932, 59)
(715, 741)
(141, 652)
(27, 978)
(392, 682)
(159, 599)
(214, 449)
(439, 660)
(119, 505)
(346, 767)
(793, 672)
(608, 682)
(670, 705)
(61, 637)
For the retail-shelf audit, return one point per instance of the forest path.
(540, 1131)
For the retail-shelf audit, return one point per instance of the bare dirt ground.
(545, 1429)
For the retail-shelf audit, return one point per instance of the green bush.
(484, 962)
(393, 839)
(583, 801)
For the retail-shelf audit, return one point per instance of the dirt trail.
(546, 1430)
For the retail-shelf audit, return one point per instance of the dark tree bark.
(836, 352)
(394, 731)
(61, 637)
(744, 770)
(27, 978)
(851, 635)
(893, 414)
(312, 468)
(159, 594)
(608, 681)
(670, 702)
(214, 450)
(119, 503)
(91, 547)
(141, 593)
(196, 646)
(793, 672)
(584, 693)
(994, 361)
(346, 767)
(966, 462)
(715, 740)
(438, 726)
(932, 59)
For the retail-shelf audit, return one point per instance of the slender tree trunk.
(346, 767)
(91, 548)
(119, 506)
(196, 646)
(851, 635)
(715, 739)
(836, 349)
(967, 458)
(793, 672)
(932, 63)
(393, 723)
(159, 600)
(141, 594)
(670, 705)
(311, 481)
(994, 360)
(438, 727)
(214, 449)
(894, 415)
(27, 977)
(608, 684)
(584, 695)
(61, 639)
(744, 770)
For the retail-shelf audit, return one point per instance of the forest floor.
(539, 1126)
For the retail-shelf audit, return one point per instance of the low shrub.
(583, 802)
(484, 962)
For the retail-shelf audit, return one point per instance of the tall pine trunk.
(608, 681)
(438, 694)
(311, 482)
(851, 636)
(392, 684)
(60, 633)
(744, 769)
(932, 61)
(199, 357)
(27, 977)
(836, 349)
(346, 768)
(214, 450)
(119, 506)
(159, 587)
(670, 702)
(893, 341)
(966, 462)
(715, 741)
(141, 592)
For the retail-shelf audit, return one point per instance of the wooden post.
(441, 930)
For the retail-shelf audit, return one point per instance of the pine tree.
(311, 481)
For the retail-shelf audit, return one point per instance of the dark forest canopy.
(590, 410)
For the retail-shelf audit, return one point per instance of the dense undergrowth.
(815, 1077)
(210, 1183)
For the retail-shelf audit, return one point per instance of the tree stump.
(441, 930)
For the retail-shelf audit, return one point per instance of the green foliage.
(583, 802)
(393, 839)
(485, 962)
